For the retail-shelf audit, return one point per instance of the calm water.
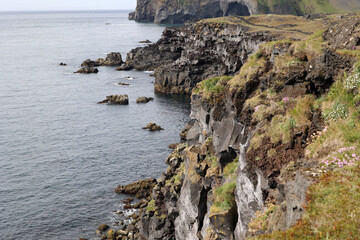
(61, 154)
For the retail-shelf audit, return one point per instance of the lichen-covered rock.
(116, 99)
(153, 127)
(103, 227)
(140, 189)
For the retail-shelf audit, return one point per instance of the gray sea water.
(61, 154)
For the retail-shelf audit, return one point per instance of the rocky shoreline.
(246, 152)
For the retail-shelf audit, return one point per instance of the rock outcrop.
(144, 99)
(189, 54)
(116, 99)
(153, 127)
(176, 12)
(112, 59)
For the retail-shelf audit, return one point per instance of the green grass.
(230, 169)
(300, 7)
(151, 206)
(224, 198)
(212, 87)
(341, 112)
(332, 211)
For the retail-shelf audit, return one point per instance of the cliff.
(189, 54)
(180, 11)
(272, 152)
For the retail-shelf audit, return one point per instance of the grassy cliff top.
(285, 26)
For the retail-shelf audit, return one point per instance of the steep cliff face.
(180, 11)
(259, 139)
(176, 12)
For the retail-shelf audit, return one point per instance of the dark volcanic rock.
(187, 55)
(63, 64)
(87, 70)
(153, 127)
(144, 99)
(112, 59)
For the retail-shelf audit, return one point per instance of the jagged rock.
(131, 16)
(141, 189)
(144, 99)
(116, 99)
(321, 71)
(153, 127)
(184, 56)
(345, 34)
(112, 59)
(87, 70)
(103, 227)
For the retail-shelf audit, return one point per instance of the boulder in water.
(153, 127)
(103, 227)
(112, 59)
(116, 99)
(87, 70)
(63, 64)
(144, 99)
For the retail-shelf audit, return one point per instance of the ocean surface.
(61, 154)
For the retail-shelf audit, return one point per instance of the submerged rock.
(146, 41)
(153, 127)
(144, 99)
(87, 70)
(123, 84)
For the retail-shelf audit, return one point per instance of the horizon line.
(65, 10)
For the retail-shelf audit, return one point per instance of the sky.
(24, 5)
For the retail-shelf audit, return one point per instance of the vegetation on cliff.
(297, 120)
